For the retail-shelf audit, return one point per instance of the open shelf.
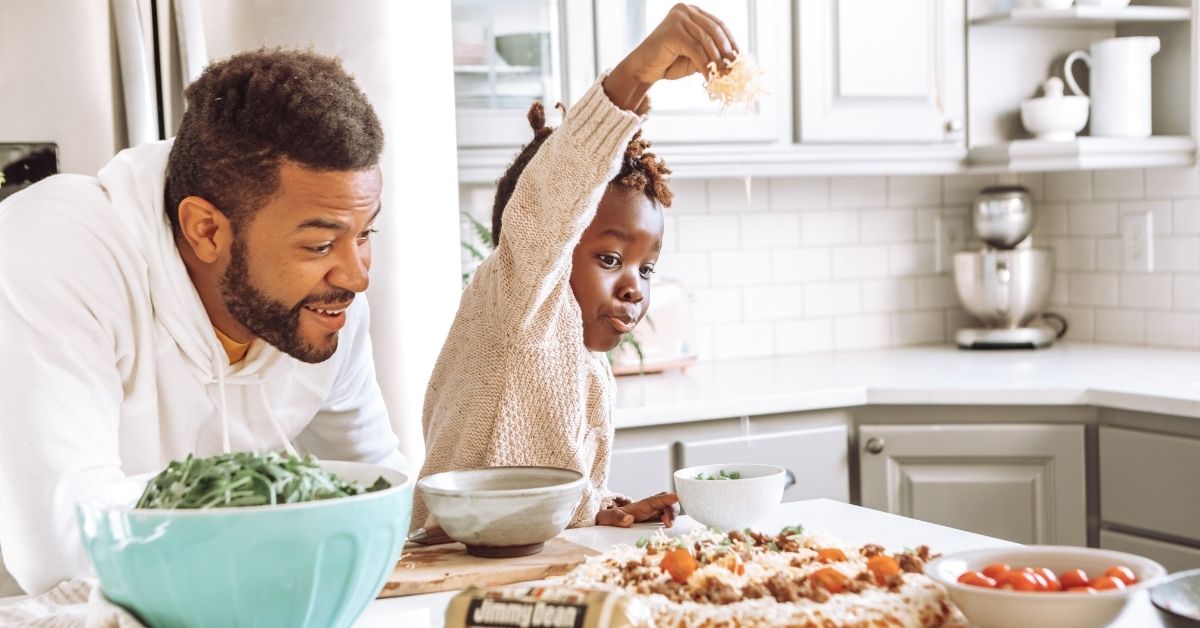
(1084, 16)
(499, 69)
(1084, 153)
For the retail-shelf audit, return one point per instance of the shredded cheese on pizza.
(740, 83)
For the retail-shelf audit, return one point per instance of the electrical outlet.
(1137, 242)
(950, 233)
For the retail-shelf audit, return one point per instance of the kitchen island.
(852, 524)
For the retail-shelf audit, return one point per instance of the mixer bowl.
(1004, 288)
(1003, 215)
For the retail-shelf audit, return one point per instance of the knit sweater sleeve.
(553, 202)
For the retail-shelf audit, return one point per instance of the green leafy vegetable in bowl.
(247, 479)
(722, 475)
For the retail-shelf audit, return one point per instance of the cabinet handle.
(875, 445)
(954, 125)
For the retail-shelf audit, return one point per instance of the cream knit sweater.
(514, 384)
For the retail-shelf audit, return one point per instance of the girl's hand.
(685, 42)
(660, 507)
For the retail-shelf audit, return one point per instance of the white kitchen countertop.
(852, 524)
(1129, 378)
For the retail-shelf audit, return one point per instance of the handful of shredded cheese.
(741, 83)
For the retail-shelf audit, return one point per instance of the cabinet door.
(1150, 481)
(817, 457)
(1172, 556)
(1023, 483)
(638, 472)
(873, 71)
(682, 112)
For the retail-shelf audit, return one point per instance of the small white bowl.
(1055, 118)
(501, 512)
(730, 504)
(996, 608)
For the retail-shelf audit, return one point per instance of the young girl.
(522, 378)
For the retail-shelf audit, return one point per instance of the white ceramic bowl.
(730, 504)
(1056, 118)
(502, 511)
(994, 608)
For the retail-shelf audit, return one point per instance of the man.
(198, 296)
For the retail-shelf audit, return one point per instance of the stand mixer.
(1006, 284)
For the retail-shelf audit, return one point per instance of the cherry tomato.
(1124, 574)
(1073, 579)
(1042, 584)
(830, 579)
(1089, 590)
(883, 567)
(679, 563)
(831, 555)
(995, 570)
(1045, 573)
(977, 579)
(1018, 581)
(1108, 583)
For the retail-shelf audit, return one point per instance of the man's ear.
(205, 228)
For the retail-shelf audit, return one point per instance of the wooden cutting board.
(447, 567)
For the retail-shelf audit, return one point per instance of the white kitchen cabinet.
(1150, 482)
(1173, 556)
(1023, 483)
(881, 72)
(681, 113)
(817, 457)
(639, 472)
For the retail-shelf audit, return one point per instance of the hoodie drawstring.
(287, 444)
(220, 368)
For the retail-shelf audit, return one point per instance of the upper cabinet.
(855, 86)
(681, 113)
(873, 71)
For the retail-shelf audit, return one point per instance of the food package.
(545, 607)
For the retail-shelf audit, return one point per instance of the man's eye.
(647, 270)
(319, 250)
(366, 235)
(608, 261)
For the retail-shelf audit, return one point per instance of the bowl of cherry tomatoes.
(1044, 585)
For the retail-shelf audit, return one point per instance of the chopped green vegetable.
(246, 479)
(790, 530)
(721, 475)
(772, 546)
(642, 542)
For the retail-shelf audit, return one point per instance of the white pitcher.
(1120, 81)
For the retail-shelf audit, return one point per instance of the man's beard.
(271, 320)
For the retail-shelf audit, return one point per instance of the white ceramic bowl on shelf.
(996, 608)
(1055, 119)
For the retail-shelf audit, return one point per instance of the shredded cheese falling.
(741, 83)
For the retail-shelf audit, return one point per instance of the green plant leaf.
(481, 230)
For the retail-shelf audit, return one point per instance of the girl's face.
(612, 264)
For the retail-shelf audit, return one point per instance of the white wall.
(818, 264)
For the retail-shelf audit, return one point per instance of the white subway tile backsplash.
(858, 191)
(1172, 182)
(1092, 219)
(1173, 329)
(1075, 253)
(917, 190)
(798, 193)
(706, 233)
(886, 225)
(1145, 291)
(1094, 289)
(962, 190)
(743, 340)
(1177, 254)
(691, 196)
(1109, 254)
(889, 295)
(670, 241)
(862, 332)
(1160, 213)
(1186, 292)
(1127, 327)
(1068, 186)
(936, 292)
(770, 230)
(1185, 217)
(804, 336)
(716, 305)
(854, 262)
(741, 268)
(1035, 182)
(734, 195)
(1080, 323)
(774, 302)
(1050, 219)
(1118, 184)
(1060, 292)
(691, 269)
(916, 328)
(837, 227)
(806, 264)
(829, 299)
(911, 259)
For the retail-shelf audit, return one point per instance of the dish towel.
(76, 603)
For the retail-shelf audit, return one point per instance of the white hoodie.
(109, 365)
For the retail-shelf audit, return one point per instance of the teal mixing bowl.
(308, 564)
